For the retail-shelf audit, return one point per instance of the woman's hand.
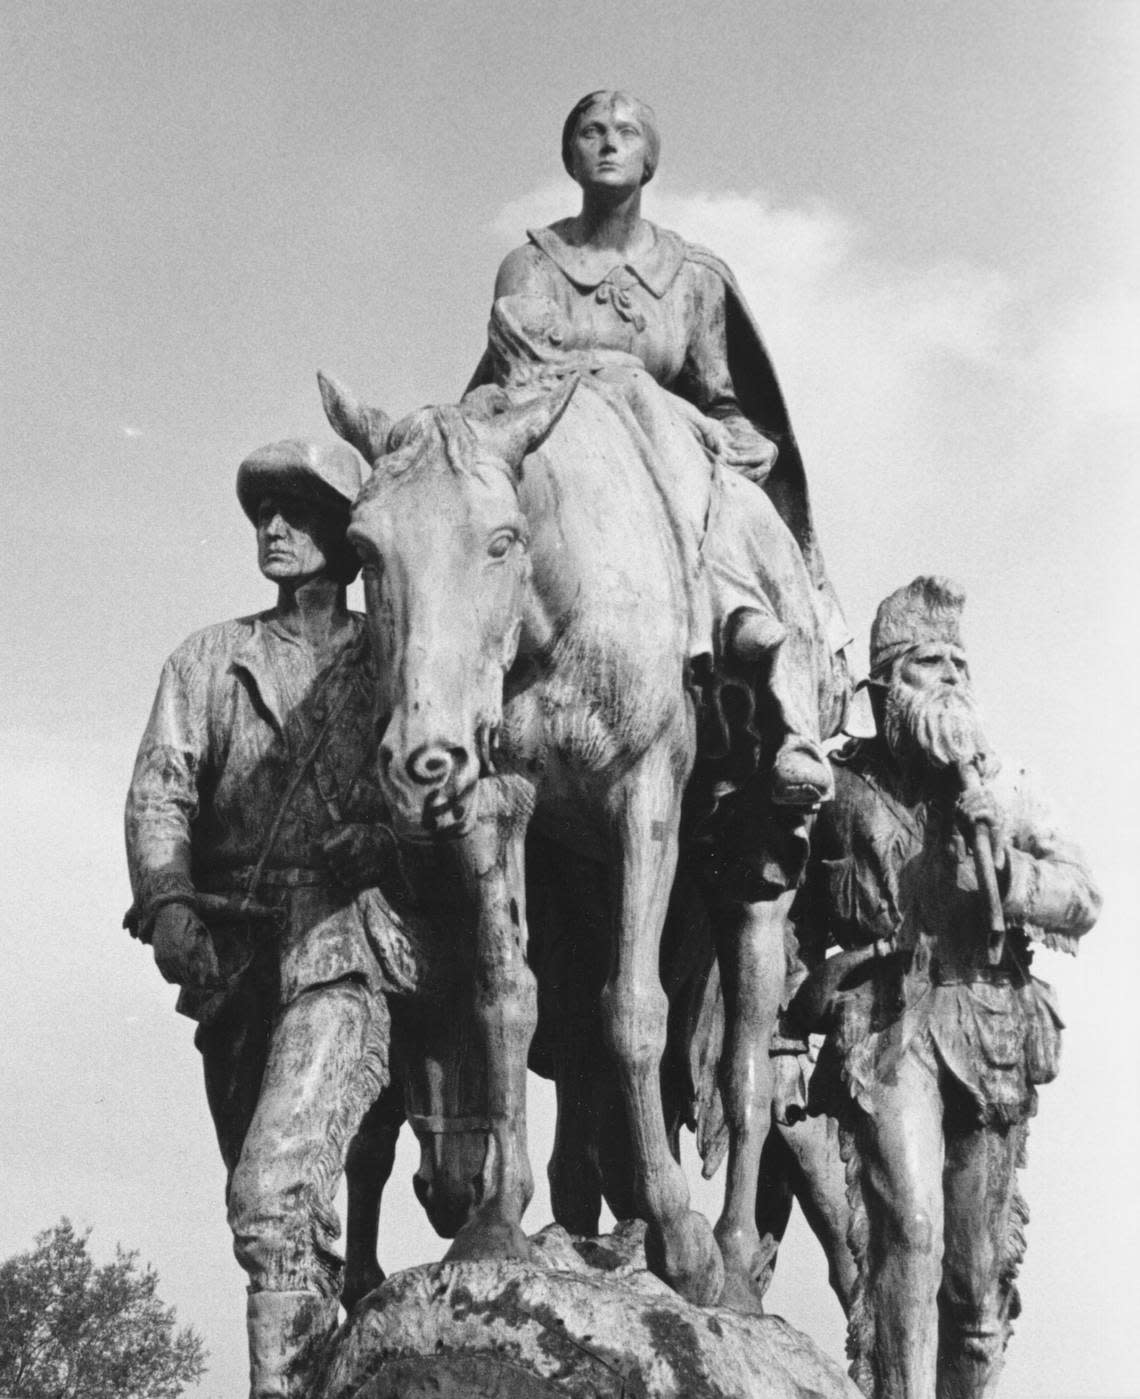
(748, 451)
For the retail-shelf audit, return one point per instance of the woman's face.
(610, 148)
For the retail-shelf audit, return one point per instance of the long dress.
(677, 307)
(677, 310)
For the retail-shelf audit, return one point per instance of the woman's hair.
(645, 116)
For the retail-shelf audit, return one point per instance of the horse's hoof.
(358, 1284)
(746, 1275)
(484, 1240)
(686, 1256)
(740, 1295)
(742, 1292)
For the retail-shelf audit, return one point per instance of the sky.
(932, 211)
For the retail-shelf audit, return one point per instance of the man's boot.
(288, 1335)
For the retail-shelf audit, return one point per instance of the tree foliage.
(70, 1330)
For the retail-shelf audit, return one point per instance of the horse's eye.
(500, 546)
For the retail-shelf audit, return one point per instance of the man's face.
(936, 665)
(295, 538)
(929, 710)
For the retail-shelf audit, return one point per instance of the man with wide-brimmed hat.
(949, 871)
(251, 826)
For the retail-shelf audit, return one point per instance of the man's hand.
(356, 854)
(183, 948)
(977, 806)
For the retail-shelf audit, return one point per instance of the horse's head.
(444, 546)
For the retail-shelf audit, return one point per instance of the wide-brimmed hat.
(329, 472)
(927, 610)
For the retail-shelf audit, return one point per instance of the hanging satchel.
(1042, 1031)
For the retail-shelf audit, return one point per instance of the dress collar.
(656, 268)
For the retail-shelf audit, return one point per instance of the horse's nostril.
(430, 766)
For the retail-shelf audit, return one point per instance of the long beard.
(939, 727)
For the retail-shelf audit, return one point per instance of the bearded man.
(252, 825)
(938, 1040)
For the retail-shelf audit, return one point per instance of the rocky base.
(587, 1321)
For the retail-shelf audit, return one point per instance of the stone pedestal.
(584, 1321)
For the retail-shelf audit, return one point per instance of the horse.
(529, 581)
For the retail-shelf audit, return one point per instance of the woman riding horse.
(611, 291)
(609, 286)
(621, 283)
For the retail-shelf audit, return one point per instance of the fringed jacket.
(892, 864)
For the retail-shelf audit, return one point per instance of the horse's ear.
(362, 427)
(516, 431)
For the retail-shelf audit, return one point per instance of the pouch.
(1042, 1031)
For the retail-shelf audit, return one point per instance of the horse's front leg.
(506, 1012)
(750, 953)
(646, 809)
(568, 920)
(368, 1166)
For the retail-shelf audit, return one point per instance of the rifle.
(987, 876)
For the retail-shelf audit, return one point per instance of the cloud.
(944, 391)
(539, 206)
(958, 418)
(836, 310)
(1094, 357)
(131, 433)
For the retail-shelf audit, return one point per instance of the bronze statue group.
(580, 765)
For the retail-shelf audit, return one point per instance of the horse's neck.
(616, 500)
(610, 610)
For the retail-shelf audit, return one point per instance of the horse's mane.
(406, 440)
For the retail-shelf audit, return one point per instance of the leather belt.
(288, 877)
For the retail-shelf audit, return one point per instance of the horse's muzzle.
(432, 791)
